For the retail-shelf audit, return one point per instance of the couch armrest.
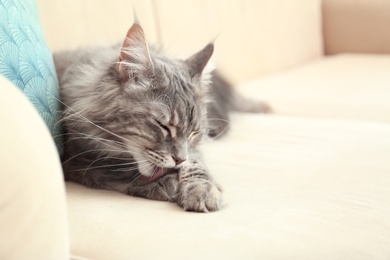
(359, 26)
(33, 217)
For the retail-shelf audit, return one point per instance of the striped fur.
(134, 119)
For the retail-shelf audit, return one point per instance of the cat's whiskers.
(139, 175)
(149, 164)
(90, 151)
(92, 163)
(134, 167)
(110, 165)
(114, 150)
(155, 170)
(86, 137)
(66, 115)
(208, 138)
(218, 119)
(96, 138)
(81, 133)
(103, 140)
(124, 169)
(89, 121)
(214, 119)
(85, 171)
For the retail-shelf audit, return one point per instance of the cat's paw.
(165, 188)
(169, 187)
(200, 196)
(198, 191)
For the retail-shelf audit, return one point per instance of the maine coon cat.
(134, 119)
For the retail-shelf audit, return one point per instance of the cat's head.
(159, 114)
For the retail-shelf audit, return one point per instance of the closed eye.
(166, 128)
(193, 134)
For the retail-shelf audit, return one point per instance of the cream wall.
(74, 23)
(252, 37)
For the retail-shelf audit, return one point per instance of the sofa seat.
(349, 86)
(294, 187)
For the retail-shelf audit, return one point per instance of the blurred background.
(330, 57)
(254, 37)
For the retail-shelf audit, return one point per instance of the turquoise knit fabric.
(26, 60)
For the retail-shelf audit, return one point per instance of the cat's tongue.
(159, 173)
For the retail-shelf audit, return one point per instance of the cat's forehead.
(173, 105)
(175, 108)
(170, 93)
(171, 84)
(170, 73)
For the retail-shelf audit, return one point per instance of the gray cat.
(134, 119)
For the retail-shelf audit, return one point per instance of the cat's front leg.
(165, 188)
(198, 191)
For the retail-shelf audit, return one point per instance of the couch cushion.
(343, 86)
(294, 188)
(27, 61)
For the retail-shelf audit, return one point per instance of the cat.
(134, 118)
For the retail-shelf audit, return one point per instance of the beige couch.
(310, 181)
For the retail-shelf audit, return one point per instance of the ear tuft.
(134, 55)
(197, 62)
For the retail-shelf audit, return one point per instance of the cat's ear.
(134, 55)
(197, 62)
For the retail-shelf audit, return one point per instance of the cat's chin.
(158, 173)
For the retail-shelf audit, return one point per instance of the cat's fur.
(134, 119)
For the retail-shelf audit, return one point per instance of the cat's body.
(134, 119)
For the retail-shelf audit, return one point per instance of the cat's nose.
(178, 160)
